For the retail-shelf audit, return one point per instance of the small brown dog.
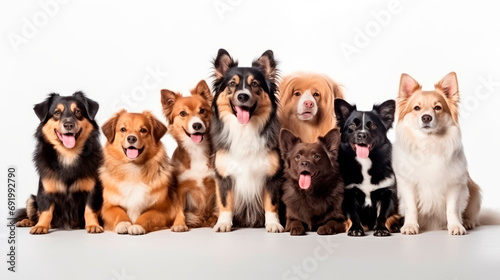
(313, 190)
(136, 175)
(189, 123)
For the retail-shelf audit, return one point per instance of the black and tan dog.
(67, 156)
(244, 130)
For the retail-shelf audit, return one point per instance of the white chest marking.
(135, 198)
(198, 169)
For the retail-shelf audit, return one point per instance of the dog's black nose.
(68, 125)
(362, 135)
(426, 118)
(305, 164)
(243, 97)
(197, 126)
(131, 139)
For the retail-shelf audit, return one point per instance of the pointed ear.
(330, 143)
(109, 127)
(203, 90)
(342, 111)
(168, 99)
(268, 64)
(386, 112)
(42, 109)
(287, 141)
(90, 105)
(407, 86)
(159, 129)
(449, 86)
(222, 63)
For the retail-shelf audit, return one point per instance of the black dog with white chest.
(370, 197)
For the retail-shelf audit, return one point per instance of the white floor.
(254, 254)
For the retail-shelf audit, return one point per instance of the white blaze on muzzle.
(307, 106)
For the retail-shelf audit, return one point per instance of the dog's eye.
(254, 84)
(77, 112)
(373, 126)
(123, 129)
(57, 113)
(316, 94)
(437, 108)
(232, 84)
(352, 126)
(297, 157)
(316, 157)
(143, 130)
(416, 108)
(202, 111)
(296, 93)
(183, 113)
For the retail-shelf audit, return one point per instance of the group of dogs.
(254, 152)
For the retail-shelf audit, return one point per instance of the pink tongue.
(305, 181)
(132, 153)
(242, 115)
(68, 141)
(196, 138)
(362, 151)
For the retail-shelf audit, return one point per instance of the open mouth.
(68, 139)
(196, 137)
(243, 113)
(305, 179)
(362, 150)
(132, 152)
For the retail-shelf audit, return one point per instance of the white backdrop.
(121, 53)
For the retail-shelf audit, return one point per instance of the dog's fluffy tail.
(30, 212)
(489, 216)
(195, 221)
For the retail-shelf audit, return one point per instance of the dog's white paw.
(456, 230)
(222, 227)
(122, 227)
(409, 229)
(136, 230)
(274, 228)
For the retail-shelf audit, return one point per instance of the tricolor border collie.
(245, 132)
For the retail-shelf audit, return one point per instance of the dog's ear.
(342, 111)
(222, 63)
(90, 105)
(287, 141)
(42, 109)
(203, 90)
(109, 127)
(386, 112)
(449, 86)
(268, 64)
(159, 129)
(168, 99)
(330, 143)
(407, 86)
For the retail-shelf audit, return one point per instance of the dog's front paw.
(297, 231)
(274, 228)
(39, 230)
(25, 223)
(469, 224)
(136, 230)
(222, 227)
(456, 230)
(179, 228)
(381, 232)
(409, 229)
(94, 229)
(122, 227)
(325, 230)
(356, 232)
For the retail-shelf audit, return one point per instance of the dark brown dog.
(314, 190)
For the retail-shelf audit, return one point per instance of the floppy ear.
(449, 86)
(109, 127)
(168, 99)
(287, 141)
(330, 143)
(407, 86)
(386, 112)
(267, 63)
(222, 63)
(159, 129)
(203, 90)
(342, 111)
(42, 109)
(90, 105)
